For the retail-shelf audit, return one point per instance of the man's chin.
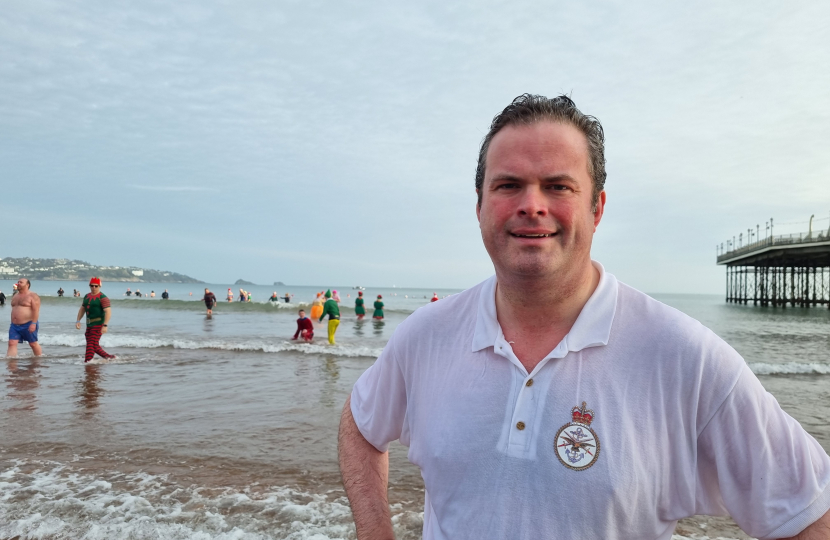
(532, 267)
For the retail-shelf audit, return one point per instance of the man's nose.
(532, 202)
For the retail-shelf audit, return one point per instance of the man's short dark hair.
(529, 109)
(28, 283)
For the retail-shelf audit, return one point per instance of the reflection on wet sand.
(89, 390)
(331, 374)
(23, 379)
(378, 327)
(358, 328)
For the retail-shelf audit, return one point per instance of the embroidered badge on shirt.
(577, 446)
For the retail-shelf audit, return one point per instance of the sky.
(320, 143)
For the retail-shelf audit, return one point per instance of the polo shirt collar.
(591, 329)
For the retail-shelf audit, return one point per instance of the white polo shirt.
(674, 424)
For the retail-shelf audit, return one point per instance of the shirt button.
(520, 425)
(529, 382)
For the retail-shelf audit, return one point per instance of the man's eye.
(558, 187)
(506, 186)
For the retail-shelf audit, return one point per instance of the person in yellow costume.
(317, 307)
(331, 309)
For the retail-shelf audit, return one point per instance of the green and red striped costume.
(94, 305)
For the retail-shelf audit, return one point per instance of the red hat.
(360, 293)
(95, 281)
(379, 296)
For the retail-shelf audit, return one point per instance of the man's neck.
(535, 314)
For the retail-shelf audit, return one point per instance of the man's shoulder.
(651, 321)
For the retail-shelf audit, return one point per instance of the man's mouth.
(534, 235)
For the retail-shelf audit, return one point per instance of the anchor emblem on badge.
(576, 444)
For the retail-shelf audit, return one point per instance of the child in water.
(305, 328)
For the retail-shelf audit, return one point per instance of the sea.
(225, 428)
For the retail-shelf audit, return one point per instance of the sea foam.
(790, 368)
(54, 500)
(277, 346)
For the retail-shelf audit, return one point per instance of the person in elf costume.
(359, 310)
(317, 306)
(331, 309)
(378, 314)
(96, 306)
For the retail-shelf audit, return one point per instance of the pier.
(774, 270)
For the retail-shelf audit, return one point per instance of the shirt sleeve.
(756, 463)
(105, 302)
(379, 400)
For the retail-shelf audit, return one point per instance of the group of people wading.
(328, 303)
(97, 310)
(26, 314)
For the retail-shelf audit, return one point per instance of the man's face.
(302, 314)
(206, 291)
(22, 285)
(536, 215)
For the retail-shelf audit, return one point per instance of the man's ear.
(599, 210)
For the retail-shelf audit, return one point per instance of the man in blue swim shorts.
(25, 314)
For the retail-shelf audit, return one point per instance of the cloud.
(171, 188)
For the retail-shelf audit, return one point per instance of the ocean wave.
(194, 304)
(198, 305)
(53, 500)
(790, 368)
(150, 342)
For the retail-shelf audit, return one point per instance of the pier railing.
(781, 240)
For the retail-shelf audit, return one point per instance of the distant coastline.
(74, 270)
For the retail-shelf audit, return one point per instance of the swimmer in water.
(210, 301)
(25, 318)
(305, 328)
(274, 298)
(434, 297)
(331, 309)
(359, 308)
(378, 314)
(230, 295)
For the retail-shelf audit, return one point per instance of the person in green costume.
(96, 307)
(378, 314)
(331, 309)
(359, 310)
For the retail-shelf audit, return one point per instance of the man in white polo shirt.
(570, 405)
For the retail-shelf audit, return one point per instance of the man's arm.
(81, 313)
(107, 315)
(365, 473)
(35, 312)
(820, 530)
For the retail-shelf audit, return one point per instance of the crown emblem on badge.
(576, 443)
(582, 415)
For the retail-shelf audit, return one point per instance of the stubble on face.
(536, 215)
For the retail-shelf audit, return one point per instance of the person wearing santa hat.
(96, 306)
